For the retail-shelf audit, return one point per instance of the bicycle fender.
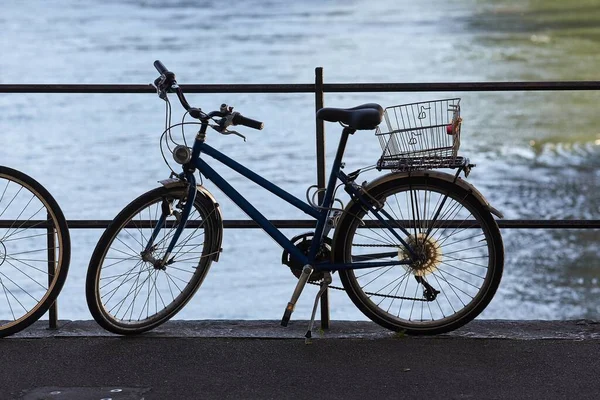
(436, 175)
(205, 196)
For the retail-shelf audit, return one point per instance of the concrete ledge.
(271, 329)
(236, 360)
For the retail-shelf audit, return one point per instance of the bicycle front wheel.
(35, 250)
(127, 291)
(455, 267)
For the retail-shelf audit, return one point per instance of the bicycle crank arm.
(306, 272)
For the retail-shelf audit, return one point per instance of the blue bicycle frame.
(321, 214)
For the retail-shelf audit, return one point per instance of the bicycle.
(416, 250)
(35, 250)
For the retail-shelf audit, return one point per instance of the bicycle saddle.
(363, 117)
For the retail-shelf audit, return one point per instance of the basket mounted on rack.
(420, 136)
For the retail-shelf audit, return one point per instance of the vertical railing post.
(321, 174)
(53, 311)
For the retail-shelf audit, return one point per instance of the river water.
(537, 153)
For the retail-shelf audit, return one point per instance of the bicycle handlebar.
(167, 81)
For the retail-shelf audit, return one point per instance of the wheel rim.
(29, 226)
(132, 291)
(454, 266)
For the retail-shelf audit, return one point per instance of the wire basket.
(421, 135)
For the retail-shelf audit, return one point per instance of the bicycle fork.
(167, 211)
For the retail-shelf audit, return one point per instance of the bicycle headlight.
(182, 154)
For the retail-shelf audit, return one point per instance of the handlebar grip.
(160, 67)
(239, 119)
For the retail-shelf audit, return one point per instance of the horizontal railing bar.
(243, 223)
(307, 88)
(548, 224)
(284, 223)
(119, 88)
(461, 86)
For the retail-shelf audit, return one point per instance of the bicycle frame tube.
(254, 177)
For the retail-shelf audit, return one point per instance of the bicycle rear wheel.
(35, 250)
(459, 255)
(126, 293)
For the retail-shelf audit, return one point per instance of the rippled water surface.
(537, 153)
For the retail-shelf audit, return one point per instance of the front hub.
(148, 256)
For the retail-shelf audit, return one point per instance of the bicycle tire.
(465, 286)
(27, 288)
(103, 287)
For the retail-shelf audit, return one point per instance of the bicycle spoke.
(17, 218)
(22, 261)
(25, 237)
(469, 262)
(462, 270)
(20, 287)
(11, 201)
(6, 293)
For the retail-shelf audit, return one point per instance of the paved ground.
(260, 360)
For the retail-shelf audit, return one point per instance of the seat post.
(328, 198)
(346, 132)
(337, 162)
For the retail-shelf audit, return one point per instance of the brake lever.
(158, 85)
(225, 131)
(162, 88)
(228, 132)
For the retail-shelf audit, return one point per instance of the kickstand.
(324, 285)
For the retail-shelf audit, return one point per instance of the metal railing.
(319, 88)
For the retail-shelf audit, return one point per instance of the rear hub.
(428, 255)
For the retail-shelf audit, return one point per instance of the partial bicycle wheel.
(458, 247)
(127, 292)
(35, 251)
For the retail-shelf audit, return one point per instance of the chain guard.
(303, 243)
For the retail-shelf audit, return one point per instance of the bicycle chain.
(371, 293)
(374, 294)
